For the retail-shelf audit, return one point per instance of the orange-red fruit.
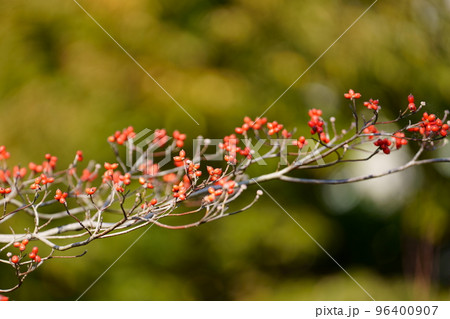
(153, 201)
(25, 241)
(15, 259)
(32, 255)
(179, 143)
(37, 259)
(412, 107)
(91, 191)
(35, 250)
(22, 247)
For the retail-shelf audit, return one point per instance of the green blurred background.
(64, 86)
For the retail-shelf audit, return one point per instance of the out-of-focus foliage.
(65, 85)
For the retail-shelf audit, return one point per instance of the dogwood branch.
(136, 191)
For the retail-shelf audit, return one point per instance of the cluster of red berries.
(145, 183)
(300, 142)
(35, 167)
(411, 105)
(3, 153)
(227, 185)
(429, 125)
(193, 169)
(61, 196)
(126, 179)
(316, 124)
(160, 137)
(48, 165)
(22, 246)
(213, 193)
(109, 174)
(19, 172)
(180, 158)
(43, 179)
(257, 124)
(372, 130)
(119, 188)
(230, 145)
(179, 191)
(121, 137)
(383, 144)
(119, 180)
(274, 127)
(214, 173)
(179, 138)
(372, 104)
(250, 124)
(400, 140)
(5, 191)
(351, 95)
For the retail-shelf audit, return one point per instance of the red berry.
(15, 259)
(411, 98)
(153, 201)
(25, 241)
(179, 143)
(32, 255)
(22, 247)
(91, 191)
(239, 130)
(35, 250)
(37, 259)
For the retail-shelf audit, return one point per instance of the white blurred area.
(384, 194)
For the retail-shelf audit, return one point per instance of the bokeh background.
(65, 85)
